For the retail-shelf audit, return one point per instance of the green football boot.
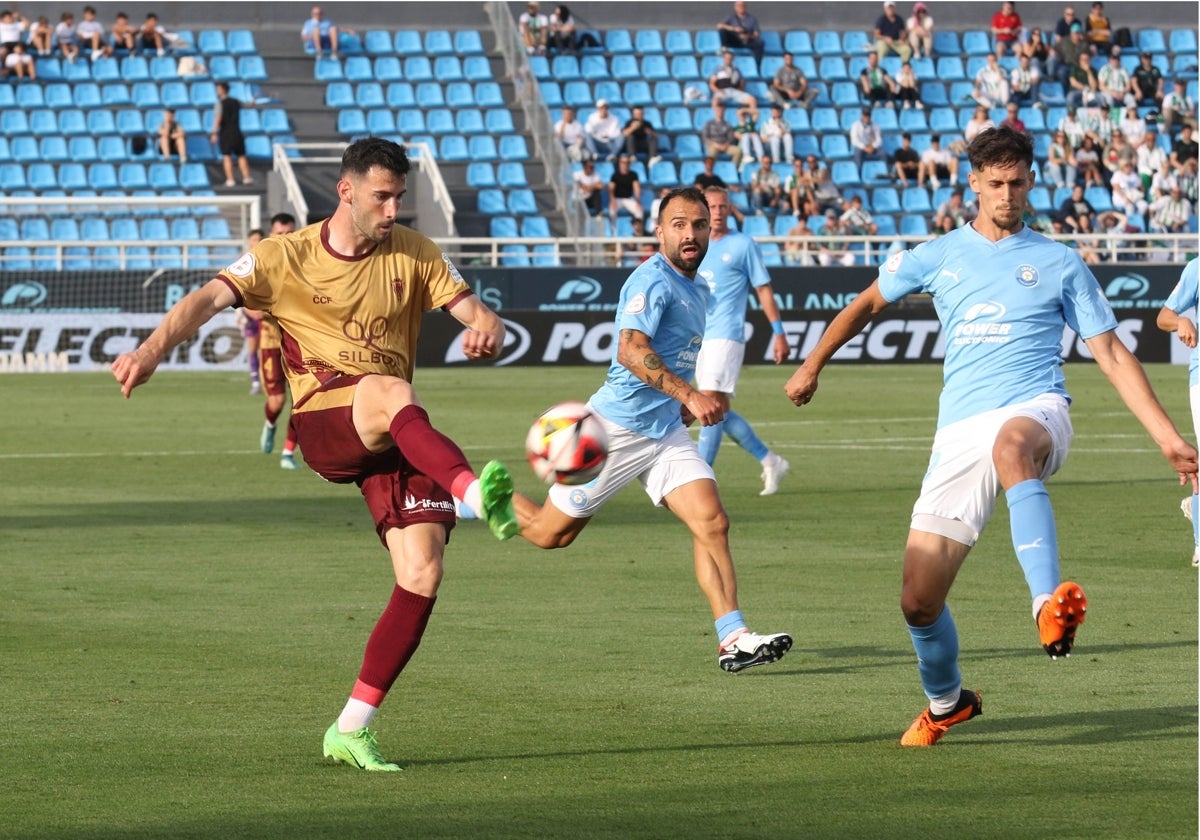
(358, 749)
(496, 488)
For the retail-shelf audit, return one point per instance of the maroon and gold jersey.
(269, 337)
(341, 315)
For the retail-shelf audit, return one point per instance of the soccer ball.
(567, 444)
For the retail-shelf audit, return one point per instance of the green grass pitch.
(180, 620)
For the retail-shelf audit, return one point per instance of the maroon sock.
(427, 449)
(396, 637)
(272, 416)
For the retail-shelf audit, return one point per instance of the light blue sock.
(710, 441)
(937, 655)
(731, 622)
(743, 435)
(1034, 536)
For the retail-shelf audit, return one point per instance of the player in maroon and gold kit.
(270, 364)
(348, 295)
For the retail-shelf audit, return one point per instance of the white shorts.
(718, 365)
(958, 493)
(660, 465)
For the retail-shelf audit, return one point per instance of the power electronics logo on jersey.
(24, 296)
(983, 324)
(1131, 291)
(579, 294)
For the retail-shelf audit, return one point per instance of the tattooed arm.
(639, 357)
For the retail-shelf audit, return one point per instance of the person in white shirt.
(920, 32)
(13, 26)
(776, 135)
(570, 132)
(1151, 159)
(90, 34)
(535, 30)
(866, 139)
(1170, 213)
(1132, 126)
(64, 37)
(991, 85)
(20, 63)
(1128, 193)
(729, 85)
(602, 133)
(589, 187)
(1024, 82)
(1177, 107)
(937, 163)
(1116, 86)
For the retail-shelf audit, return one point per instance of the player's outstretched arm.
(1128, 377)
(779, 343)
(484, 337)
(1168, 321)
(187, 316)
(635, 352)
(847, 324)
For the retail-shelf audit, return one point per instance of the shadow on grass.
(145, 513)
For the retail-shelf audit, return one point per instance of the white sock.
(769, 460)
(473, 498)
(356, 715)
(1037, 604)
(945, 704)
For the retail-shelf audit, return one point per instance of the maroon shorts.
(270, 371)
(396, 494)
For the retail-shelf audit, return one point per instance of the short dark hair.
(283, 219)
(362, 154)
(692, 194)
(1000, 146)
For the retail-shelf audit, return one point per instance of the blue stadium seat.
(835, 147)
(162, 176)
(252, 68)
(439, 42)
(72, 122)
(31, 96)
(339, 95)
(193, 176)
(82, 149)
(418, 68)
(482, 147)
(513, 147)
(378, 42)
(13, 122)
(468, 121)
(950, 68)
(976, 42)
(211, 42)
(685, 68)
(481, 175)
(76, 71)
(53, 148)
(511, 175)
(488, 95)
(43, 121)
(58, 95)
(846, 95)
(855, 42)
(798, 42)
(401, 95)
(132, 176)
(1150, 40)
(258, 147)
(885, 200)
(535, 227)
(48, 69)
(611, 91)
(503, 227)
(42, 177)
(430, 95)
(827, 42)
(833, 69)
(241, 42)
(448, 68)
(24, 149)
(175, 95)
(35, 228)
(490, 201)
(386, 68)
(618, 41)
(648, 41)
(135, 68)
(454, 147)
(913, 225)
(678, 42)
(477, 68)
(439, 121)
(351, 121)
(380, 121)
(625, 67)
(460, 95)
(468, 42)
(521, 202)
(824, 120)
(163, 68)
(913, 119)
(367, 95)
(410, 122)
(328, 69)
(1183, 41)
(408, 42)
(498, 121)
(916, 201)
(112, 149)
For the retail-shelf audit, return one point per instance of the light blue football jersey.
(731, 268)
(1002, 306)
(668, 307)
(1182, 298)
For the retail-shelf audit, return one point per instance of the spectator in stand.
(227, 135)
(1066, 55)
(90, 34)
(1012, 117)
(719, 138)
(1099, 126)
(826, 194)
(798, 189)
(1128, 194)
(1006, 28)
(1147, 83)
(856, 220)
(1060, 162)
(535, 30)
(1025, 82)
(709, 178)
(124, 34)
(866, 140)
(831, 252)
(64, 37)
(920, 32)
(978, 122)
(876, 84)
(20, 63)
(321, 33)
(1188, 181)
(1099, 30)
(172, 139)
(41, 37)
(641, 138)
(589, 187)
(776, 134)
(729, 85)
(602, 133)
(890, 34)
(748, 139)
(1062, 29)
(1084, 87)
(1184, 148)
(1133, 127)
(1036, 49)
(1162, 183)
(766, 190)
(1178, 109)
(563, 31)
(1077, 213)
(570, 132)
(797, 250)
(955, 211)
(1116, 85)
(741, 30)
(13, 26)
(624, 191)
(906, 162)
(790, 85)
(150, 36)
(908, 89)
(937, 164)
(1117, 152)
(1087, 163)
(1151, 159)
(991, 84)
(1171, 213)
